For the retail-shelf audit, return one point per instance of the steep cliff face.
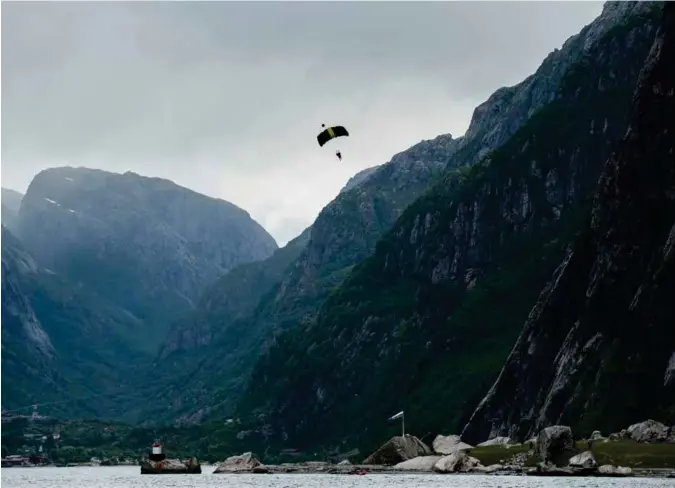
(60, 343)
(499, 117)
(597, 348)
(234, 296)
(19, 318)
(349, 227)
(435, 310)
(11, 202)
(145, 244)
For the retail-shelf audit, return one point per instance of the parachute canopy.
(331, 133)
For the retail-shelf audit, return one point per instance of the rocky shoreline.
(493, 470)
(553, 452)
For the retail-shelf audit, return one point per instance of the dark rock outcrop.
(172, 466)
(398, 449)
(554, 441)
(597, 348)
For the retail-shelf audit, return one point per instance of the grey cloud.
(226, 97)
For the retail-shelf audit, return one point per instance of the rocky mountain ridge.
(597, 347)
(144, 244)
(503, 113)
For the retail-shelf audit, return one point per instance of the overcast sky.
(227, 98)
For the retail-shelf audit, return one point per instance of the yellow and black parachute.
(331, 133)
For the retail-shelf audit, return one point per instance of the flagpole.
(400, 415)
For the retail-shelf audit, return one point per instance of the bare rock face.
(601, 330)
(649, 431)
(553, 441)
(398, 449)
(244, 463)
(172, 466)
(458, 461)
(583, 460)
(448, 444)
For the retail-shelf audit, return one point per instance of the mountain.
(596, 351)
(236, 294)
(233, 296)
(426, 322)
(62, 347)
(344, 233)
(11, 202)
(348, 228)
(144, 244)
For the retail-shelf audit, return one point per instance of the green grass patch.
(618, 453)
(633, 454)
(496, 454)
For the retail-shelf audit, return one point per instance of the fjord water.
(130, 477)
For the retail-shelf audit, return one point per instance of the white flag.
(397, 416)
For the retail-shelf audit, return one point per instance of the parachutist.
(329, 133)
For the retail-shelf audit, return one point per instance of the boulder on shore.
(458, 461)
(496, 441)
(649, 431)
(583, 460)
(244, 463)
(420, 463)
(554, 441)
(609, 470)
(596, 436)
(171, 466)
(398, 449)
(448, 444)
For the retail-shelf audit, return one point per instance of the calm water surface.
(130, 477)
